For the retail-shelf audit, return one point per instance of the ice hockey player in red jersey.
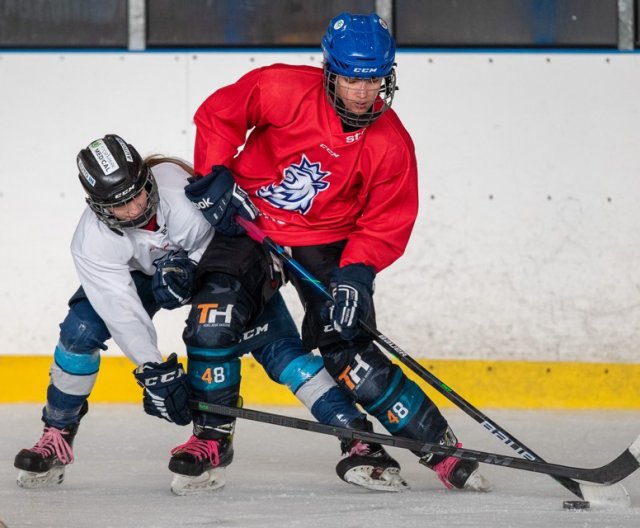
(329, 171)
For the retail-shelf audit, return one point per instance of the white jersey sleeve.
(187, 227)
(104, 261)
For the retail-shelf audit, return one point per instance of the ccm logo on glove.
(166, 391)
(170, 376)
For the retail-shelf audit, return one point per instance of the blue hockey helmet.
(359, 47)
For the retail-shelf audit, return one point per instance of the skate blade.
(48, 479)
(613, 496)
(371, 478)
(476, 482)
(210, 480)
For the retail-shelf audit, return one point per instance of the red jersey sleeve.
(222, 122)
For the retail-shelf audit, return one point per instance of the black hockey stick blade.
(616, 470)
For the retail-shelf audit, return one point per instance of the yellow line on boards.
(488, 384)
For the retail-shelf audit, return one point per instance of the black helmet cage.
(387, 91)
(112, 174)
(104, 211)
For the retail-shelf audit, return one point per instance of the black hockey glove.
(172, 283)
(220, 199)
(352, 291)
(166, 393)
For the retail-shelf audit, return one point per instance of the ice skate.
(46, 479)
(210, 480)
(44, 464)
(199, 465)
(370, 466)
(461, 474)
(455, 472)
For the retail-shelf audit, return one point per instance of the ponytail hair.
(157, 159)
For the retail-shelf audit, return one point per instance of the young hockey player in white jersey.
(136, 250)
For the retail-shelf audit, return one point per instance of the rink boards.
(489, 384)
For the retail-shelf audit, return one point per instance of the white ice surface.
(285, 477)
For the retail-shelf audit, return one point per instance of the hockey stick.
(574, 487)
(619, 468)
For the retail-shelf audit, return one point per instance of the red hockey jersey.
(312, 182)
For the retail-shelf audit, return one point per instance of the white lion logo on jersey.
(301, 184)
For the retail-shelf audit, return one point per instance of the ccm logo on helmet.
(365, 70)
(125, 192)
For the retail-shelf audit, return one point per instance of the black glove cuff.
(359, 273)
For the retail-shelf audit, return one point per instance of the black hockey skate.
(455, 472)
(369, 466)
(44, 464)
(199, 465)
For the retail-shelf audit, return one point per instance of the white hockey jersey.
(104, 260)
